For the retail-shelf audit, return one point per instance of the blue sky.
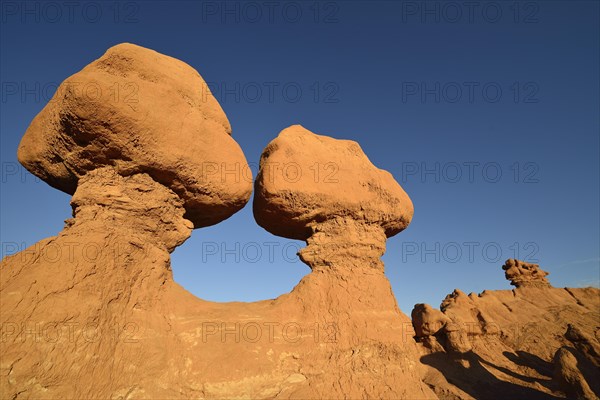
(486, 114)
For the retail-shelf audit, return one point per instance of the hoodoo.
(147, 166)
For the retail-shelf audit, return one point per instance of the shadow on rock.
(529, 360)
(466, 371)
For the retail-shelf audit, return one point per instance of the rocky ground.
(535, 341)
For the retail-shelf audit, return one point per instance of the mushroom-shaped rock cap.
(524, 274)
(140, 111)
(305, 178)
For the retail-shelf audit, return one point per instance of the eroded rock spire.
(327, 192)
(524, 274)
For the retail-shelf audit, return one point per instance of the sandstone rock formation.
(94, 312)
(139, 111)
(503, 343)
(427, 320)
(586, 344)
(523, 274)
(577, 369)
(307, 179)
(345, 221)
(568, 375)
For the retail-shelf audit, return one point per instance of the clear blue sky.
(486, 114)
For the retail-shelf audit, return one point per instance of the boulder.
(427, 320)
(140, 111)
(307, 179)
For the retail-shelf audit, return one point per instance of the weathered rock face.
(140, 205)
(141, 112)
(503, 343)
(568, 375)
(586, 344)
(427, 320)
(345, 221)
(87, 314)
(577, 368)
(94, 312)
(521, 274)
(99, 301)
(306, 178)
